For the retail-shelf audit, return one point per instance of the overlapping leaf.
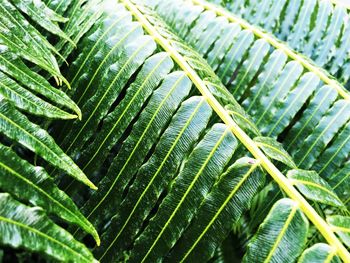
(33, 184)
(285, 97)
(30, 228)
(318, 29)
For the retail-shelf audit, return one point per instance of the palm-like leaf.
(22, 88)
(319, 253)
(130, 191)
(318, 29)
(30, 228)
(166, 141)
(275, 92)
(17, 174)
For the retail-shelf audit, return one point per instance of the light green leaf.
(257, 53)
(274, 150)
(319, 253)
(82, 15)
(42, 15)
(329, 125)
(314, 187)
(23, 39)
(341, 225)
(319, 105)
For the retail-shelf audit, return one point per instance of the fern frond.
(151, 177)
(286, 94)
(318, 29)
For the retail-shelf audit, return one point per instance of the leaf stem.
(282, 181)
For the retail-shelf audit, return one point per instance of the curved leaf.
(25, 40)
(145, 133)
(341, 224)
(319, 253)
(42, 15)
(114, 78)
(176, 142)
(314, 187)
(200, 171)
(318, 29)
(219, 211)
(14, 67)
(152, 72)
(33, 184)
(29, 102)
(275, 150)
(17, 127)
(21, 226)
(282, 235)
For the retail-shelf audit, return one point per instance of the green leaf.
(29, 102)
(292, 104)
(243, 119)
(58, 6)
(33, 184)
(219, 211)
(17, 127)
(340, 183)
(249, 68)
(42, 15)
(298, 33)
(14, 67)
(326, 129)
(111, 48)
(313, 187)
(234, 55)
(271, 100)
(325, 9)
(282, 235)
(82, 15)
(96, 41)
(325, 50)
(265, 81)
(116, 122)
(30, 228)
(199, 173)
(114, 80)
(174, 145)
(319, 30)
(319, 253)
(334, 157)
(222, 44)
(204, 42)
(340, 61)
(25, 40)
(274, 150)
(145, 133)
(319, 105)
(341, 225)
